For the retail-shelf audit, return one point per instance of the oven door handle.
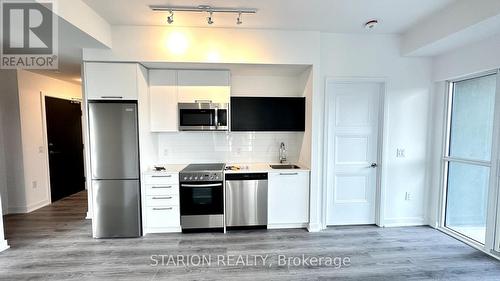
(202, 185)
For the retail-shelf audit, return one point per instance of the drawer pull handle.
(169, 197)
(162, 209)
(165, 176)
(168, 186)
(112, 97)
(288, 174)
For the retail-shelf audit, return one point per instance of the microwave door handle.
(216, 119)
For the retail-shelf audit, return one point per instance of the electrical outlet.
(34, 184)
(400, 153)
(407, 196)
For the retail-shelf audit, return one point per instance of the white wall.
(307, 91)
(11, 154)
(208, 45)
(467, 60)
(30, 86)
(406, 115)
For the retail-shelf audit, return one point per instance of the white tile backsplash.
(231, 147)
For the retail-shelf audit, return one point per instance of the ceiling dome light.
(238, 19)
(209, 19)
(170, 18)
(370, 25)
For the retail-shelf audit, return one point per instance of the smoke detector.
(370, 25)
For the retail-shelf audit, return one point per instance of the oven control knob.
(195, 178)
(190, 178)
(201, 178)
(185, 178)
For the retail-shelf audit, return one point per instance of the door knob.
(373, 165)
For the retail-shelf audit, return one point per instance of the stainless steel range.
(202, 197)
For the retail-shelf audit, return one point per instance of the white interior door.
(353, 128)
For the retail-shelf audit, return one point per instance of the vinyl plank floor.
(55, 243)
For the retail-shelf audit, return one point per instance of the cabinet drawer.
(163, 217)
(162, 179)
(162, 189)
(162, 200)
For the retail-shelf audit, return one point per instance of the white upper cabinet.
(204, 86)
(111, 81)
(288, 199)
(163, 100)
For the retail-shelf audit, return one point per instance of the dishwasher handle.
(246, 176)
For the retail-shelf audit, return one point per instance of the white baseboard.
(314, 227)
(409, 221)
(3, 245)
(287, 225)
(27, 209)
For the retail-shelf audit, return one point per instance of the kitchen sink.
(284, 166)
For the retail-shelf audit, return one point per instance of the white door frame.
(381, 149)
(46, 137)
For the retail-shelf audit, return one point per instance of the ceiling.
(342, 16)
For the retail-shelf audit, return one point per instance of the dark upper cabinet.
(268, 114)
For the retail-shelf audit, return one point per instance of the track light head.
(238, 19)
(170, 18)
(210, 19)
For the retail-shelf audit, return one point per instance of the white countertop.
(244, 168)
(169, 168)
(261, 168)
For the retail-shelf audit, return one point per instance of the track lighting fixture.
(170, 18)
(203, 9)
(209, 19)
(238, 19)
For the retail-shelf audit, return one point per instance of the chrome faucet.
(282, 153)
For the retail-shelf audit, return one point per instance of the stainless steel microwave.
(203, 116)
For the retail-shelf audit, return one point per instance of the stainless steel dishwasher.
(246, 200)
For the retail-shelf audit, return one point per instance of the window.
(468, 155)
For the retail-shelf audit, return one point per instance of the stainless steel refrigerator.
(114, 149)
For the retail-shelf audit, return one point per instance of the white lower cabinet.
(160, 203)
(161, 218)
(288, 199)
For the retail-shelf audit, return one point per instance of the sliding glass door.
(468, 155)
